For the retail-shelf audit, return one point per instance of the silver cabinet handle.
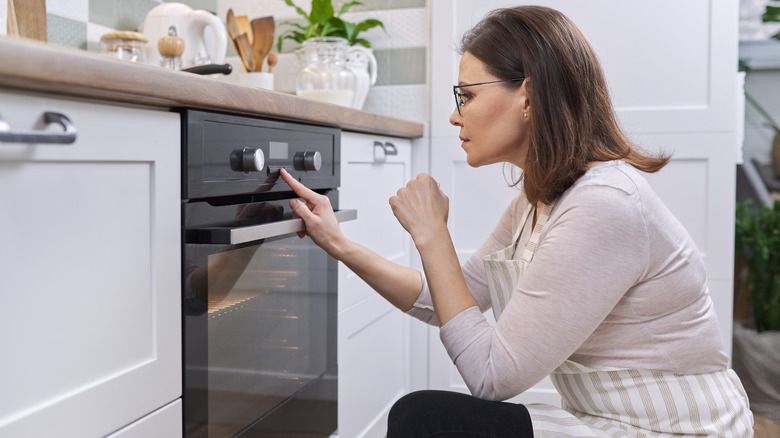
(67, 137)
(236, 236)
(382, 150)
(380, 153)
(390, 149)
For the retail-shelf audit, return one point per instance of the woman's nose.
(456, 118)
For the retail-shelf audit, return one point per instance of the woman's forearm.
(400, 285)
(449, 292)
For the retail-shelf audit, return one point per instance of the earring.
(525, 114)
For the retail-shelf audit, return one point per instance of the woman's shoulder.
(616, 174)
(608, 188)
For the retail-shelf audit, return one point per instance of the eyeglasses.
(459, 99)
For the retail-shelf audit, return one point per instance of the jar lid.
(124, 35)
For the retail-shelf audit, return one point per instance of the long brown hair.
(572, 120)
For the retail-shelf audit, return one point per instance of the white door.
(90, 284)
(374, 336)
(672, 71)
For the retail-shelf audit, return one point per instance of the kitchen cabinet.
(375, 345)
(674, 90)
(90, 271)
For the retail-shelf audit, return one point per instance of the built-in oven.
(259, 303)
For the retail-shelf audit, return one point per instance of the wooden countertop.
(40, 67)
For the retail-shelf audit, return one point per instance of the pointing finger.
(299, 189)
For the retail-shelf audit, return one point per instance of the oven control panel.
(229, 154)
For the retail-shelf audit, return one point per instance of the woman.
(591, 279)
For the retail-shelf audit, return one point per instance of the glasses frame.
(459, 103)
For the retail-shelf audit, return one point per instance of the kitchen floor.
(764, 427)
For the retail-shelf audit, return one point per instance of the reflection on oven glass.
(266, 313)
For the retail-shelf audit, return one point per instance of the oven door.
(259, 307)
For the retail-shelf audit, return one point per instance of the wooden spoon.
(232, 28)
(245, 51)
(263, 29)
(245, 27)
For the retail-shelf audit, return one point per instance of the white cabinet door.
(90, 262)
(672, 73)
(162, 423)
(374, 359)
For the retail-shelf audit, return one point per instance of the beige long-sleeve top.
(615, 281)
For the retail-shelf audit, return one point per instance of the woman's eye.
(464, 98)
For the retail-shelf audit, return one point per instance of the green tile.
(373, 5)
(120, 14)
(66, 32)
(400, 66)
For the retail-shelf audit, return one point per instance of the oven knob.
(309, 160)
(247, 160)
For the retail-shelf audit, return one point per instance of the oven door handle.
(237, 236)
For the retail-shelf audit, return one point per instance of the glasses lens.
(457, 99)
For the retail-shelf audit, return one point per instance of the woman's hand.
(317, 213)
(421, 208)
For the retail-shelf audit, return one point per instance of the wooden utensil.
(273, 58)
(263, 29)
(12, 28)
(246, 53)
(232, 28)
(245, 27)
(30, 18)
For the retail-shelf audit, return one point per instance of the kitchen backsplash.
(401, 89)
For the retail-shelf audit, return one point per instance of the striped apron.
(622, 402)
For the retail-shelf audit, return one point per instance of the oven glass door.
(259, 325)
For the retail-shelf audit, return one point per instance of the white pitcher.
(363, 63)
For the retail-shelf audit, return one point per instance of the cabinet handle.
(382, 150)
(390, 149)
(67, 137)
(380, 153)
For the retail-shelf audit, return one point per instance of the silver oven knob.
(247, 160)
(309, 160)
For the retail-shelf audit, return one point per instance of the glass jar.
(125, 45)
(324, 75)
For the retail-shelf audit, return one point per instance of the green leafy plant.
(757, 234)
(772, 15)
(321, 22)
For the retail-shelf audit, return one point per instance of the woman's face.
(492, 124)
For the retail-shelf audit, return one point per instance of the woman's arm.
(422, 209)
(400, 285)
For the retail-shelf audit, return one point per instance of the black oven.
(259, 303)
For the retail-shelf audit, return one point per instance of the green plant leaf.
(322, 22)
(346, 7)
(368, 24)
(363, 43)
(321, 11)
(300, 11)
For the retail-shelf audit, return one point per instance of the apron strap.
(530, 246)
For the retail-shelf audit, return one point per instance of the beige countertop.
(39, 67)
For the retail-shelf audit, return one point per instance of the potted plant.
(757, 339)
(322, 21)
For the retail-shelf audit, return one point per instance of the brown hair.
(572, 120)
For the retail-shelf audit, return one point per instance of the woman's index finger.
(299, 189)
